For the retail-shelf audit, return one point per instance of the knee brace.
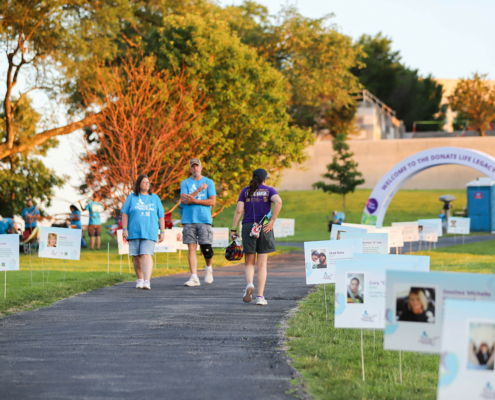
(207, 251)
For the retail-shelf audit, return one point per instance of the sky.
(449, 39)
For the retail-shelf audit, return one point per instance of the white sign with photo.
(360, 287)
(320, 258)
(428, 233)
(373, 243)
(414, 305)
(437, 222)
(176, 238)
(220, 237)
(458, 225)
(9, 252)
(60, 243)
(410, 232)
(338, 229)
(467, 357)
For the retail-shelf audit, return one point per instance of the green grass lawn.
(310, 209)
(329, 359)
(41, 282)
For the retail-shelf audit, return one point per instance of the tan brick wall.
(375, 158)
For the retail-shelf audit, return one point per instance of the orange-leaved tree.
(150, 124)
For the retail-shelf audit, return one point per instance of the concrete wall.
(375, 158)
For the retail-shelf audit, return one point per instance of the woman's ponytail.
(253, 186)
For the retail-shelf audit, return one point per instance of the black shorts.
(263, 245)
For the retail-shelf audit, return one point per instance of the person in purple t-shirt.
(255, 202)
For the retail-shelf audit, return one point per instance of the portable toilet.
(481, 204)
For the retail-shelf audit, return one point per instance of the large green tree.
(247, 99)
(474, 101)
(413, 97)
(314, 57)
(23, 174)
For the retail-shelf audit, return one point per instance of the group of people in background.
(143, 217)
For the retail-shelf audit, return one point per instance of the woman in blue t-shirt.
(255, 202)
(142, 216)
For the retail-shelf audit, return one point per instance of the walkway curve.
(171, 342)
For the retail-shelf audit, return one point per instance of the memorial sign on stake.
(60, 243)
(414, 305)
(373, 243)
(169, 244)
(395, 235)
(9, 252)
(360, 286)
(338, 229)
(177, 238)
(287, 226)
(458, 225)
(467, 357)
(428, 233)
(410, 232)
(320, 258)
(437, 222)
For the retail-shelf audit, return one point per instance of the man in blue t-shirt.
(6, 224)
(94, 226)
(198, 195)
(30, 215)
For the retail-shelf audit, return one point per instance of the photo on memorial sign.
(355, 288)
(480, 345)
(319, 258)
(52, 240)
(415, 304)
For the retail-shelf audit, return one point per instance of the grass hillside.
(310, 209)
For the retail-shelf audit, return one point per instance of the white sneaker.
(146, 285)
(260, 301)
(208, 275)
(139, 284)
(192, 282)
(248, 293)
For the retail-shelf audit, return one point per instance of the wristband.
(233, 229)
(124, 229)
(162, 231)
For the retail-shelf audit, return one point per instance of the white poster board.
(437, 222)
(287, 226)
(338, 229)
(60, 243)
(373, 243)
(220, 237)
(467, 357)
(277, 228)
(123, 244)
(320, 258)
(458, 225)
(410, 232)
(368, 228)
(421, 331)
(360, 287)
(9, 252)
(395, 235)
(428, 233)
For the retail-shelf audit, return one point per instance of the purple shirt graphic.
(258, 205)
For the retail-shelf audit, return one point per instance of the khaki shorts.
(94, 230)
(197, 233)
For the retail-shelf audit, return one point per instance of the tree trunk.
(481, 132)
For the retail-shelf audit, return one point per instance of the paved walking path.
(442, 242)
(171, 342)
